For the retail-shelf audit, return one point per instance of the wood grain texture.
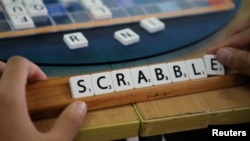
(195, 111)
(48, 98)
(102, 125)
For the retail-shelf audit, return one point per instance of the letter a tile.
(141, 77)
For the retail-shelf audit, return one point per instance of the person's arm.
(15, 123)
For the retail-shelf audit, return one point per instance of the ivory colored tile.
(81, 86)
(100, 12)
(141, 77)
(36, 9)
(196, 68)
(8, 2)
(213, 66)
(126, 36)
(32, 1)
(102, 83)
(178, 71)
(160, 74)
(152, 25)
(22, 21)
(15, 9)
(90, 3)
(75, 40)
(122, 80)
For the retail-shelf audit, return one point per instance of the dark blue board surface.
(49, 49)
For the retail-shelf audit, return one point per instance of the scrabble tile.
(32, 1)
(122, 80)
(102, 83)
(90, 3)
(126, 36)
(75, 40)
(196, 68)
(36, 9)
(100, 12)
(160, 74)
(152, 25)
(141, 77)
(7, 2)
(213, 66)
(15, 9)
(178, 71)
(21, 21)
(81, 86)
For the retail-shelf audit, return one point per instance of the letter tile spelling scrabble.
(152, 25)
(100, 12)
(196, 68)
(90, 3)
(126, 36)
(141, 77)
(122, 80)
(178, 71)
(213, 66)
(75, 40)
(144, 76)
(81, 86)
(22, 21)
(160, 74)
(102, 83)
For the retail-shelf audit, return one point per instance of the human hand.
(233, 51)
(15, 123)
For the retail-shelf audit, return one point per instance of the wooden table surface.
(175, 114)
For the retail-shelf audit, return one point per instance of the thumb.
(236, 59)
(69, 122)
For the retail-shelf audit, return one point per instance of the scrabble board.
(27, 17)
(44, 45)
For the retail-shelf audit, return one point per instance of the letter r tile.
(75, 40)
(122, 80)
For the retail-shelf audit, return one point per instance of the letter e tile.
(213, 66)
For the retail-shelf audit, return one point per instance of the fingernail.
(225, 56)
(81, 108)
